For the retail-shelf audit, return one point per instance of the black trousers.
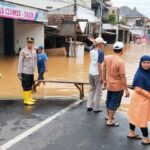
(144, 130)
(27, 81)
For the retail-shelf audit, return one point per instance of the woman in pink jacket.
(139, 110)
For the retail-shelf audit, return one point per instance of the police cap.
(30, 39)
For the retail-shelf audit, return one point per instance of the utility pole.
(75, 26)
(101, 16)
(117, 20)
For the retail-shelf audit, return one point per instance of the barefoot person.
(26, 67)
(95, 76)
(115, 82)
(41, 64)
(139, 110)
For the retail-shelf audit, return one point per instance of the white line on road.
(37, 127)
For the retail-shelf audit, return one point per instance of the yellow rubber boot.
(33, 100)
(27, 99)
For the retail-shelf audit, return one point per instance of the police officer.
(26, 67)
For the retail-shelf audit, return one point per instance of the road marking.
(37, 127)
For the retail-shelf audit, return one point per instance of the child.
(139, 110)
(41, 64)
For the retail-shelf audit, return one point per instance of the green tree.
(112, 19)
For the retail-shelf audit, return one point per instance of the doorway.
(8, 36)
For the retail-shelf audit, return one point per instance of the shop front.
(18, 22)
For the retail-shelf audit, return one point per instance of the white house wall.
(131, 22)
(140, 32)
(89, 15)
(22, 31)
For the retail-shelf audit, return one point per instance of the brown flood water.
(62, 68)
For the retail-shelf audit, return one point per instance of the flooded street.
(62, 68)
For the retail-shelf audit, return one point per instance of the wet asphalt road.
(74, 130)
(16, 118)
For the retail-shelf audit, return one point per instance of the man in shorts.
(115, 82)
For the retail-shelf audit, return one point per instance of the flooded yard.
(63, 68)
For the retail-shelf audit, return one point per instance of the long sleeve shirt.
(27, 61)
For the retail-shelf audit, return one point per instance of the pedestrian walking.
(26, 67)
(96, 76)
(42, 64)
(139, 110)
(115, 82)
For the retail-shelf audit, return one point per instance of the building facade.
(18, 22)
(134, 19)
(20, 19)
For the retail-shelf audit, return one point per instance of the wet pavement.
(16, 118)
(74, 130)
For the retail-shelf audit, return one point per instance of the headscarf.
(142, 77)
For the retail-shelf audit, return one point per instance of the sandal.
(97, 111)
(143, 143)
(114, 124)
(106, 118)
(135, 137)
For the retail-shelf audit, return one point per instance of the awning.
(108, 32)
(108, 26)
(124, 27)
(50, 26)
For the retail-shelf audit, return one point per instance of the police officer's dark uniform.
(26, 68)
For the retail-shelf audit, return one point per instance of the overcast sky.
(142, 6)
